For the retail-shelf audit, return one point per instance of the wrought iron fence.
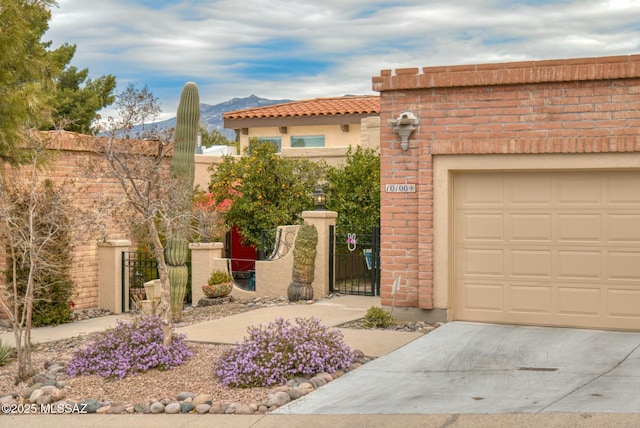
(139, 267)
(275, 243)
(354, 260)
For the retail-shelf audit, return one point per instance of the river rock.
(184, 395)
(186, 407)
(202, 399)
(201, 409)
(90, 405)
(156, 407)
(172, 408)
(280, 398)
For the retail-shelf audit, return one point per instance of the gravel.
(196, 376)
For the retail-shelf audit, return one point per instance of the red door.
(243, 258)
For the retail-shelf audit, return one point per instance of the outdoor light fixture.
(319, 198)
(404, 126)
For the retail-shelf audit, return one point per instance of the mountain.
(212, 114)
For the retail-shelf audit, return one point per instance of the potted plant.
(220, 284)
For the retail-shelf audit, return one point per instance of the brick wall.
(584, 105)
(74, 152)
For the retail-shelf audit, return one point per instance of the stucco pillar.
(321, 220)
(205, 258)
(110, 293)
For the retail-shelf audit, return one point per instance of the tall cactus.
(304, 264)
(182, 175)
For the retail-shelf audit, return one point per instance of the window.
(277, 141)
(307, 141)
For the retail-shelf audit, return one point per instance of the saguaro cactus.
(304, 264)
(182, 175)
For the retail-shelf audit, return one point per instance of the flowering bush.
(129, 348)
(277, 352)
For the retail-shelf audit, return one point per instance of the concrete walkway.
(233, 329)
(330, 312)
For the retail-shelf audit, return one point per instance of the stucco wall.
(573, 108)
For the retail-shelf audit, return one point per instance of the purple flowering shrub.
(275, 353)
(129, 348)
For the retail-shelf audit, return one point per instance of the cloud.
(310, 48)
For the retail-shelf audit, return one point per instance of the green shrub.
(378, 318)
(5, 353)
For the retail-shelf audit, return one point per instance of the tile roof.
(350, 104)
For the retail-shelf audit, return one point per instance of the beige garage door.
(548, 248)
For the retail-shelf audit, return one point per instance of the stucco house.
(515, 195)
(320, 128)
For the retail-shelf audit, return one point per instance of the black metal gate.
(139, 267)
(354, 260)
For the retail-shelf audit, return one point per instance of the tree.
(354, 188)
(152, 199)
(27, 71)
(78, 99)
(213, 138)
(265, 189)
(36, 219)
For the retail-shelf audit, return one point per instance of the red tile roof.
(351, 104)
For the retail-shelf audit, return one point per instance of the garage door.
(548, 248)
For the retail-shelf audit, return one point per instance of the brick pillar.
(321, 220)
(110, 293)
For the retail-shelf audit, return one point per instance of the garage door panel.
(624, 303)
(624, 265)
(579, 264)
(531, 227)
(623, 190)
(579, 190)
(531, 263)
(531, 299)
(623, 228)
(482, 262)
(548, 248)
(482, 191)
(525, 190)
(578, 301)
(579, 227)
(482, 227)
(483, 297)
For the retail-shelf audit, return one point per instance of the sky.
(302, 49)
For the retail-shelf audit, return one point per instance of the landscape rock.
(172, 408)
(203, 408)
(202, 399)
(184, 395)
(243, 410)
(156, 407)
(116, 409)
(90, 405)
(186, 407)
(280, 398)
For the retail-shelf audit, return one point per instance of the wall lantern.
(319, 198)
(404, 126)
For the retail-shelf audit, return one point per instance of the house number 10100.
(400, 188)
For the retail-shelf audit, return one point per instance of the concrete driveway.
(487, 368)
